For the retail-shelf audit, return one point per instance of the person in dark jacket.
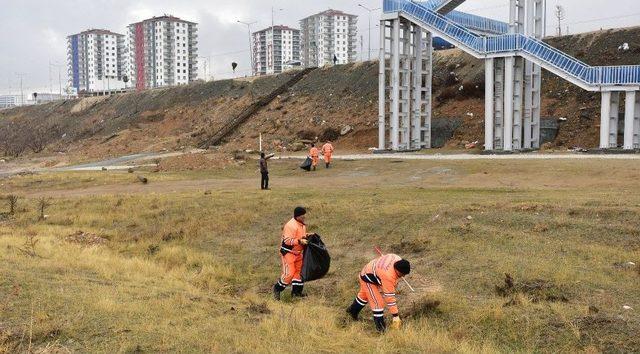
(264, 171)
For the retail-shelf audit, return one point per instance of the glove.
(304, 241)
(396, 323)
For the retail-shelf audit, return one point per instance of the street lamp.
(248, 24)
(370, 11)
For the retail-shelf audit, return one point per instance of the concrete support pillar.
(629, 120)
(605, 113)
(488, 103)
(395, 85)
(508, 102)
(382, 89)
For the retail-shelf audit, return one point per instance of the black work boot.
(378, 318)
(327, 165)
(355, 308)
(296, 291)
(277, 290)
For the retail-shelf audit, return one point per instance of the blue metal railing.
(592, 75)
(473, 22)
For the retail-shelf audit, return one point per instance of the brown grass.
(188, 271)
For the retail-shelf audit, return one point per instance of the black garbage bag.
(316, 260)
(306, 165)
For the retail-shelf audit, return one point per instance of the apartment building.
(327, 35)
(275, 49)
(163, 51)
(96, 60)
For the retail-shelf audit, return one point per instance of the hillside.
(320, 105)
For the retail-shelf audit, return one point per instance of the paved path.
(462, 157)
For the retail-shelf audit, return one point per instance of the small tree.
(43, 204)
(13, 203)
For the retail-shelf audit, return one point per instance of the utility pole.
(21, 76)
(361, 48)
(50, 80)
(248, 24)
(58, 66)
(560, 15)
(370, 11)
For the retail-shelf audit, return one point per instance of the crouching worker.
(378, 281)
(294, 241)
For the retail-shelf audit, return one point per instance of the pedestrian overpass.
(514, 55)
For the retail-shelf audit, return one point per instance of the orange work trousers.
(372, 293)
(291, 268)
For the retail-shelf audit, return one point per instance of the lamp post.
(248, 24)
(370, 11)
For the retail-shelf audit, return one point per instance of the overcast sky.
(33, 32)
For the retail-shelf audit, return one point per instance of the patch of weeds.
(423, 308)
(535, 290)
(609, 334)
(414, 246)
(171, 236)
(153, 250)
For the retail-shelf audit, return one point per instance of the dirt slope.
(321, 105)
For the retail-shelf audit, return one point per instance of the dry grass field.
(186, 262)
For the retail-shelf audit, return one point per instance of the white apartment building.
(275, 49)
(163, 51)
(328, 34)
(96, 60)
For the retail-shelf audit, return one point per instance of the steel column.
(629, 120)
(636, 123)
(395, 85)
(382, 88)
(518, 89)
(509, 63)
(416, 114)
(605, 114)
(614, 114)
(426, 90)
(498, 103)
(405, 85)
(489, 84)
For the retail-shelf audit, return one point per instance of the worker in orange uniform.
(294, 240)
(327, 151)
(314, 153)
(378, 280)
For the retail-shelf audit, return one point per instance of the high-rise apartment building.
(328, 35)
(163, 51)
(96, 60)
(275, 49)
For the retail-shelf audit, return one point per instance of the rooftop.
(278, 27)
(99, 31)
(165, 17)
(331, 12)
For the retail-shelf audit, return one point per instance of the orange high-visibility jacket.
(314, 152)
(292, 233)
(381, 272)
(327, 149)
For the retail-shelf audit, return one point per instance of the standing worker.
(314, 153)
(264, 171)
(378, 280)
(294, 240)
(327, 151)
